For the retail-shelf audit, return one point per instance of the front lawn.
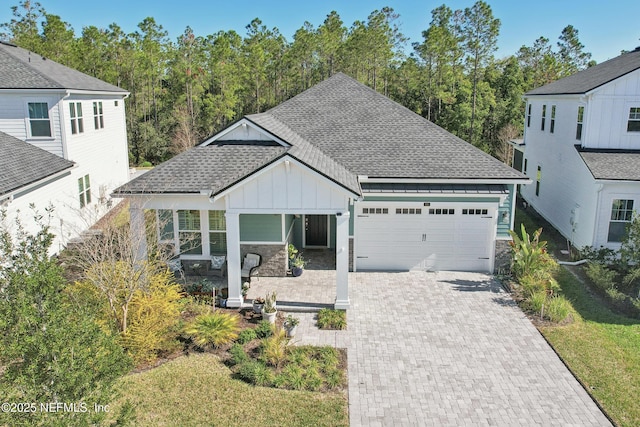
(603, 351)
(198, 390)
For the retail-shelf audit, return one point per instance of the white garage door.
(438, 237)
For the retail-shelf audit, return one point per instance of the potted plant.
(269, 310)
(297, 266)
(257, 305)
(292, 254)
(223, 295)
(291, 325)
(245, 290)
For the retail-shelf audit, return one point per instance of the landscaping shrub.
(557, 309)
(602, 277)
(247, 335)
(153, 315)
(291, 377)
(529, 255)
(214, 329)
(274, 348)
(238, 355)
(264, 329)
(537, 301)
(332, 319)
(255, 372)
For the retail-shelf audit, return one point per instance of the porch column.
(234, 267)
(138, 229)
(342, 261)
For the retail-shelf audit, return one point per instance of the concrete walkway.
(445, 349)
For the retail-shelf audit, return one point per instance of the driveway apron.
(438, 349)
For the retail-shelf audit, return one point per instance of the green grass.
(198, 390)
(603, 351)
(332, 319)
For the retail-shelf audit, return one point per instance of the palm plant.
(213, 329)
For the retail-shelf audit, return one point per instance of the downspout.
(63, 131)
(599, 188)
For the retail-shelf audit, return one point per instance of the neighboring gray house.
(339, 166)
(63, 142)
(582, 149)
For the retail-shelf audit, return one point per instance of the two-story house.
(63, 141)
(582, 139)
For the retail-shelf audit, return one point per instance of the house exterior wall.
(566, 184)
(260, 228)
(100, 154)
(608, 193)
(287, 187)
(608, 112)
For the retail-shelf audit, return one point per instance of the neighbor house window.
(98, 118)
(529, 116)
(538, 178)
(544, 116)
(189, 233)
(552, 125)
(579, 125)
(217, 232)
(621, 214)
(633, 125)
(526, 163)
(84, 191)
(39, 122)
(75, 111)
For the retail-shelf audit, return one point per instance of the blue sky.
(604, 27)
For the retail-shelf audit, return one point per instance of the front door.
(315, 227)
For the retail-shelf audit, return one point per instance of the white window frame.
(28, 119)
(620, 215)
(84, 191)
(198, 231)
(529, 115)
(76, 117)
(217, 231)
(98, 115)
(552, 123)
(634, 117)
(580, 123)
(544, 116)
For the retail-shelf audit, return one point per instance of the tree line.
(186, 89)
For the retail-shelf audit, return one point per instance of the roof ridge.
(34, 69)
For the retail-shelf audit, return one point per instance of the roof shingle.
(22, 164)
(612, 165)
(593, 77)
(22, 69)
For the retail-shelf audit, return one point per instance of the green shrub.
(256, 373)
(615, 295)
(334, 378)
(328, 355)
(557, 309)
(264, 329)
(602, 277)
(332, 319)
(146, 164)
(529, 255)
(238, 355)
(536, 301)
(291, 377)
(214, 329)
(247, 335)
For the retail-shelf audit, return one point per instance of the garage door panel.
(426, 241)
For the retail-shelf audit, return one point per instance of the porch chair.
(250, 265)
(219, 265)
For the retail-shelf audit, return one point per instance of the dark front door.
(315, 230)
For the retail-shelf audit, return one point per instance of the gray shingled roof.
(213, 167)
(614, 165)
(422, 187)
(369, 134)
(593, 77)
(22, 164)
(22, 69)
(341, 129)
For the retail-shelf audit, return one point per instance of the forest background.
(183, 90)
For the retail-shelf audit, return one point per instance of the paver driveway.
(452, 349)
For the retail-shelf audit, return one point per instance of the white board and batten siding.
(288, 187)
(406, 236)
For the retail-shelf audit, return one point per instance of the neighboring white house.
(339, 166)
(63, 141)
(582, 151)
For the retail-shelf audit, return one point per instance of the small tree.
(51, 350)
